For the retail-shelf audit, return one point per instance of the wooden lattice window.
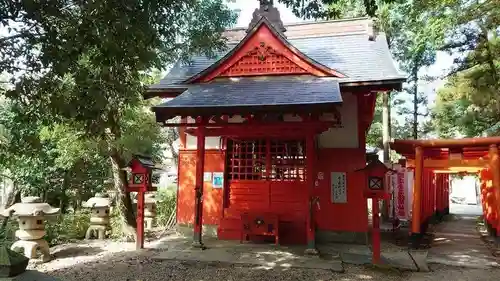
(247, 160)
(288, 160)
(266, 160)
(263, 59)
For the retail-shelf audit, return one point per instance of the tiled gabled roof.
(256, 93)
(353, 52)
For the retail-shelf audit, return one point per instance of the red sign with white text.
(400, 196)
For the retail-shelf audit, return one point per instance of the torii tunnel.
(433, 160)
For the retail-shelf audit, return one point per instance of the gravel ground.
(145, 269)
(117, 261)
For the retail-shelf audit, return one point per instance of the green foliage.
(165, 206)
(63, 229)
(78, 71)
(334, 9)
(7, 234)
(68, 228)
(116, 225)
(468, 105)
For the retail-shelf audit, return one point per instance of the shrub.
(68, 227)
(166, 205)
(63, 229)
(7, 234)
(72, 226)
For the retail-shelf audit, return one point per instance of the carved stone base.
(31, 247)
(198, 245)
(97, 231)
(311, 252)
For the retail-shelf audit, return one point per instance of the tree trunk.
(13, 197)
(124, 202)
(415, 104)
(62, 196)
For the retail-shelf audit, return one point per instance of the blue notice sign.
(217, 180)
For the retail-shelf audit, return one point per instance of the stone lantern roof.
(29, 207)
(150, 198)
(98, 201)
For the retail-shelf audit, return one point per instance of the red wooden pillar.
(417, 195)
(198, 207)
(495, 171)
(433, 194)
(140, 220)
(439, 194)
(311, 200)
(447, 195)
(375, 232)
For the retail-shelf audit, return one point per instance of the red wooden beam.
(450, 143)
(262, 131)
(255, 123)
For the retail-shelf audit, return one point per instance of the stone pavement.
(458, 243)
(266, 256)
(270, 256)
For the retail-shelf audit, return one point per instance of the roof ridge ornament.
(271, 13)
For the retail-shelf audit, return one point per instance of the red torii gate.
(445, 156)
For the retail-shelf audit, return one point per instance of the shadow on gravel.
(76, 252)
(140, 267)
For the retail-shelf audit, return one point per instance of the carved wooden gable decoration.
(264, 52)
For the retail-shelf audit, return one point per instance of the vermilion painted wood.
(310, 202)
(269, 225)
(495, 172)
(265, 54)
(375, 232)
(287, 198)
(140, 220)
(198, 194)
(137, 168)
(353, 215)
(275, 132)
(258, 123)
(212, 197)
(418, 190)
(488, 199)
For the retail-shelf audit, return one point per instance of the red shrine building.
(273, 129)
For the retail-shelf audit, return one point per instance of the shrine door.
(265, 175)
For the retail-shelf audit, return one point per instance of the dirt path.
(457, 242)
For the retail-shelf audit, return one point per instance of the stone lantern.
(99, 217)
(31, 214)
(149, 210)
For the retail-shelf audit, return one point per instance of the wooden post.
(417, 192)
(447, 195)
(182, 134)
(140, 219)
(198, 208)
(495, 171)
(375, 232)
(312, 201)
(386, 138)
